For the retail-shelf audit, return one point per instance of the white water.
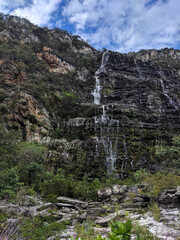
(96, 93)
(165, 93)
(106, 128)
(97, 90)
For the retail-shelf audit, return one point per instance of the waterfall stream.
(106, 128)
(165, 93)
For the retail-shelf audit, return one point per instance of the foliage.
(68, 102)
(142, 233)
(157, 182)
(85, 230)
(10, 230)
(170, 154)
(68, 185)
(39, 228)
(120, 230)
(32, 229)
(21, 163)
(154, 209)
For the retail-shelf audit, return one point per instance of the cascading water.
(97, 90)
(165, 93)
(106, 128)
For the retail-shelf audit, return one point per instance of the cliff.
(95, 111)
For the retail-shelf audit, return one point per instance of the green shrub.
(142, 233)
(120, 230)
(160, 181)
(154, 209)
(170, 154)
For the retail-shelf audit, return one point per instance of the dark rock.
(72, 201)
(95, 211)
(167, 198)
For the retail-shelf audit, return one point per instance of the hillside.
(99, 126)
(92, 110)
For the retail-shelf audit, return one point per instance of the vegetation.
(29, 167)
(119, 231)
(158, 182)
(24, 166)
(170, 154)
(32, 229)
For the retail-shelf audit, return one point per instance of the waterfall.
(106, 128)
(97, 90)
(96, 93)
(165, 93)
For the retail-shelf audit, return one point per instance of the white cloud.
(59, 24)
(126, 25)
(121, 25)
(39, 12)
(6, 5)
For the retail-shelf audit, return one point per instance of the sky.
(119, 25)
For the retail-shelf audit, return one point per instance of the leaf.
(128, 225)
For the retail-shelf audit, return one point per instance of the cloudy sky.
(119, 25)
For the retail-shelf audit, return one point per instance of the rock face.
(94, 111)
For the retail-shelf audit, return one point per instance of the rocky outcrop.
(170, 197)
(55, 64)
(116, 106)
(101, 213)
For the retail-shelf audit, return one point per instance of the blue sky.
(119, 25)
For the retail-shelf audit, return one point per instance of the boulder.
(105, 220)
(72, 201)
(168, 197)
(104, 192)
(116, 189)
(64, 205)
(177, 194)
(95, 211)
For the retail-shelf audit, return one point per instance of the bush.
(61, 184)
(160, 181)
(170, 154)
(120, 230)
(41, 229)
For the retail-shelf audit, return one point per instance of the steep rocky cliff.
(95, 111)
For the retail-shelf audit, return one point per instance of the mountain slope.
(48, 79)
